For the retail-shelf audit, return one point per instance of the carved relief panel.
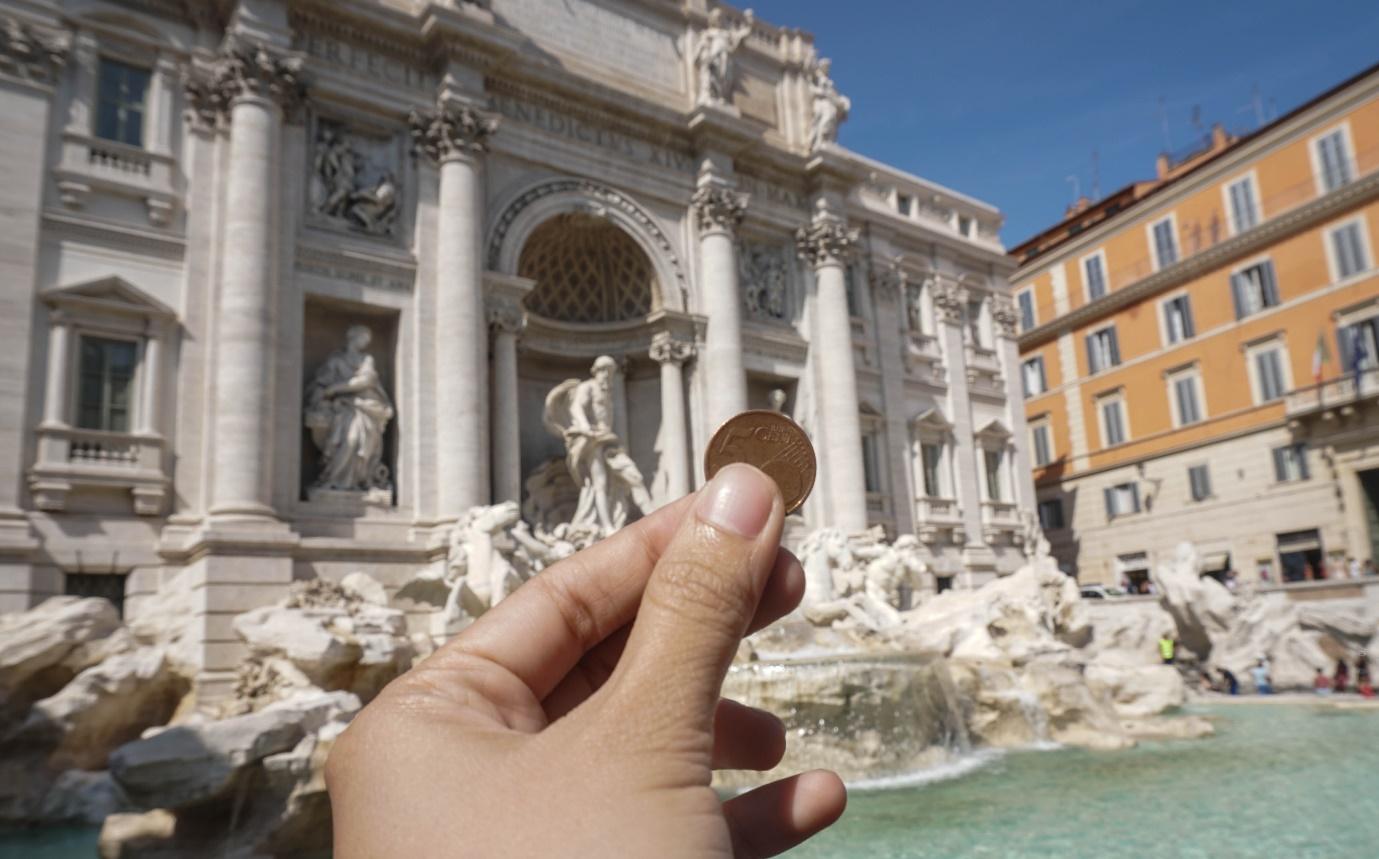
(764, 278)
(355, 179)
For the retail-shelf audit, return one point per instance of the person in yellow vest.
(1167, 646)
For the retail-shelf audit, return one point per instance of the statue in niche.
(830, 106)
(347, 412)
(914, 307)
(610, 485)
(763, 275)
(351, 189)
(713, 59)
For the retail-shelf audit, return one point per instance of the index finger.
(540, 631)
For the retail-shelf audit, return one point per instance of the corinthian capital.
(249, 69)
(950, 300)
(718, 209)
(506, 317)
(666, 349)
(827, 241)
(27, 54)
(1004, 314)
(451, 130)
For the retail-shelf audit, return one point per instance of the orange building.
(1199, 355)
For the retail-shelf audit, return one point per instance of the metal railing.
(1331, 393)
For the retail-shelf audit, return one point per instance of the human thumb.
(699, 600)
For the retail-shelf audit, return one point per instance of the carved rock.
(38, 647)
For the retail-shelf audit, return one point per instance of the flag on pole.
(1321, 356)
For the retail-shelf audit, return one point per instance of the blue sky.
(1005, 99)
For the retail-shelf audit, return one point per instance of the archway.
(587, 271)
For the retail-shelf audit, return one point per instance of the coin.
(772, 442)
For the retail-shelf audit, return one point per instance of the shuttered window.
(1348, 249)
(1199, 479)
(1334, 160)
(1254, 288)
(1103, 349)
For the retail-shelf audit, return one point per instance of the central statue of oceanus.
(610, 484)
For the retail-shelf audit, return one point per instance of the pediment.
(109, 294)
(932, 419)
(995, 429)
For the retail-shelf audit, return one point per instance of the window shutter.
(1135, 496)
(1189, 328)
(1043, 379)
(1091, 354)
(1237, 296)
(1270, 285)
(1300, 452)
(1110, 495)
(1280, 464)
(1115, 347)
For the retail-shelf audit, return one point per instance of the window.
(931, 456)
(1184, 391)
(1359, 344)
(1199, 481)
(1032, 375)
(1268, 366)
(1333, 160)
(1348, 257)
(1043, 447)
(993, 460)
(871, 464)
(1112, 411)
(903, 203)
(965, 225)
(1026, 300)
(1103, 350)
(1290, 463)
(1165, 243)
(1178, 325)
(108, 586)
(1094, 273)
(850, 283)
(974, 322)
(1122, 499)
(1240, 196)
(106, 385)
(1254, 288)
(121, 90)
(1051, 514)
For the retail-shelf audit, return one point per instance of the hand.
(555, 725)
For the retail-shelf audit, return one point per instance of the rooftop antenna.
(1096, 174)
(1163, 120)
(1077, 188)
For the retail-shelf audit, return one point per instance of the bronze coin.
(772, 442)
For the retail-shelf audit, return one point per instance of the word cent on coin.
(771, 442)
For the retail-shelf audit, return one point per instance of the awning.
(1300, 541)
(1216, 562)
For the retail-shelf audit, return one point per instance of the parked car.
(1098, 592)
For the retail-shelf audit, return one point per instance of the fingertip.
(739, 500)
(820, 799)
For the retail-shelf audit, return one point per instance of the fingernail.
(738, 499)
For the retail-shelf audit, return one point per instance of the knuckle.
(577, 613)
(694, 586)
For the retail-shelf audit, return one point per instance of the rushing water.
(1293, 781)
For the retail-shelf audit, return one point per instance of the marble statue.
(713, 59)
(1033, 541)
(830, 106)
(610, 485)
(860, 581)
(347, 412)
(777, 399)
(343, 190)
(763, 275)
(480, 570)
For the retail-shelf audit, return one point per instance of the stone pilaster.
(1005, 320)
(507, 321)
(672, 354)
(256, 87)
(950, 302)
(889, 287)
(717, 213)
(827, 245)
(455, 136)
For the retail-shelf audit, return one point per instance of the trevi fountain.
(876, 675)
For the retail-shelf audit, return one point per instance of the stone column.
(950, 305)
(258, 86)
(889, 286)
(455, 136)
(826, 245)
(1005, 323)
(671, 354)
(718, 211)
(152, 390)
(507, 321)
(58, 387)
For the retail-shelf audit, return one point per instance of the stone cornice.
(1260, 238)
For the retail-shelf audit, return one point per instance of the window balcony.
(937, 515)
(1341, 395)
(69, 457)
(984, 371)
(1000, 517)
(923, 357)
(93, 165)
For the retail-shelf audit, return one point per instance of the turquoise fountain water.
(1292, 781)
